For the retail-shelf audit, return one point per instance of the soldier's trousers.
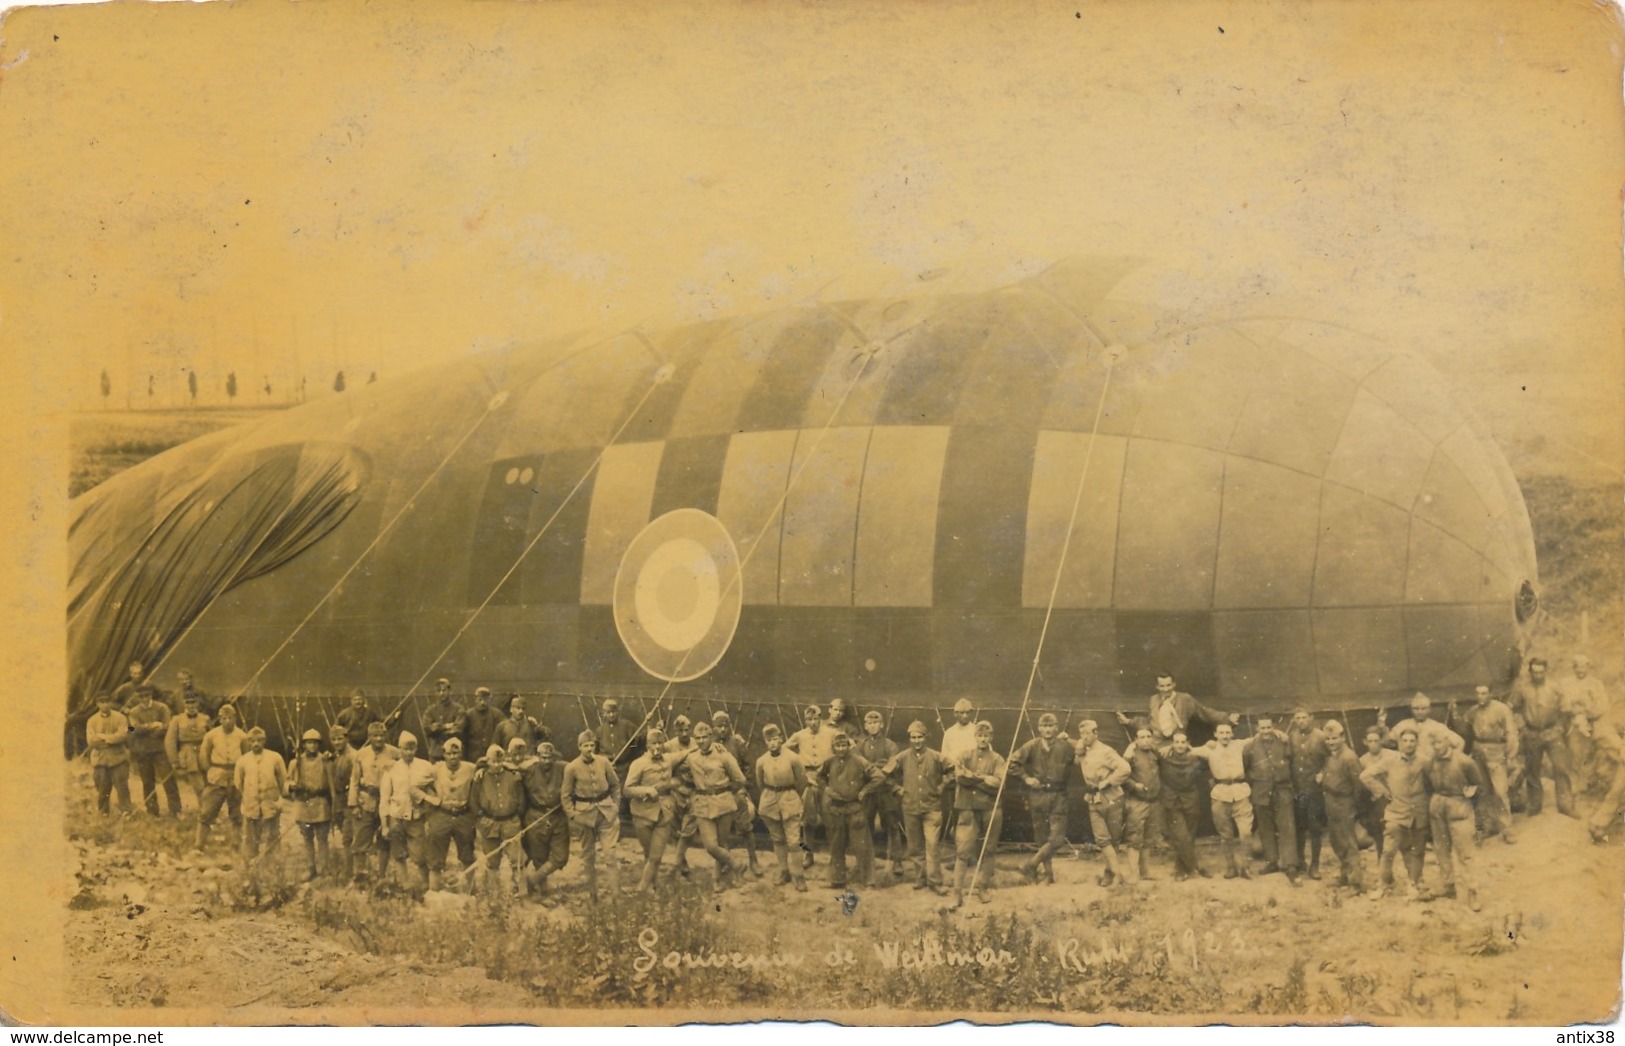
(654, 836)
(784, 833)
(1340, 822)
(1308, 822)
(110, 779)
(849, 829)
(1277, 829)
(441, 830)
(154, 767)
(1538, 748)
(1180, 810)
(547, 842)
(1049, 813)
(594, 828)
(1138, 830)
(261, 836)
(498, 839)
(1406, 839)
(314, 834)
(365, 840)
(887, 811)
(924, 833)
(1493, 803)
(969, 828)
(1451, 820)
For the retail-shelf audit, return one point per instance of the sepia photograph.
(889, 513)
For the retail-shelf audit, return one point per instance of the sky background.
(286, 190)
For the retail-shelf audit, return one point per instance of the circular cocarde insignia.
(678, 594)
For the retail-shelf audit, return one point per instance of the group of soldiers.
(373, 801)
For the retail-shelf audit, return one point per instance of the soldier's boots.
(1029, 871)
(1049, 872)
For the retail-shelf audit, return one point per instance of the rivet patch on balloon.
(677, 595)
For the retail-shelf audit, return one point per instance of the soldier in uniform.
(107, 735)
(743, 825)
(342, 757)
(715, 785)
(1172, 709)
(480, 723)
(368, 769)
(449, 817)
(847, 780)
(187, 687)
(1396, 776)
(359, 717)
(841, 722)
(1307, 745)
(547, 826)
(1495, 747)
(681, 741)
(261, 779)
(781, 780)
(650, 792)
(520, 725)
(592, 798)
(1371, 809)
(1339, 781)
(1268, 759)
(882, 805)
(218, 755)
(958, 741)
(313, 791)
(812, 745)
(1452, 779)
(134, 688)
(1182, 772)
(1545, 720)
(497, 797)
(1584, 700)
(1043, 765)
(925, 775)
(1104, 772)
(1427, 727)
(615, 735)
(1142, 797)
(1230, 801)
(977, 777)
(442, 721)
(182, 741)
(401, 797)
(149, 725)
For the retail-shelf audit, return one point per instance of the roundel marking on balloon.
(678, 595)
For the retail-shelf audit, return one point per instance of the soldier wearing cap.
(1104, 772)
(497, 806)
(812, 745)
(547, 827)
(480, 722)
(402, 798)
(714, 784)
(313, 791)
(1339, 780)
(977, 819)
(448, 817)
(681, 741)
(359, 717)
(261, 779)
(883, 806)
(182, 742)
(341, 759)
(781, 780)
(218, 755)
(367, 771)
(188, 689)
(847, 780)
(442, 721)
(650, 793)
(519, 724)
(1545, 720)
(592, 799)
(743, 825)
(922, 776)
(107, 735)
(1043, 764)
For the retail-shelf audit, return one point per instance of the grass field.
(103, 444)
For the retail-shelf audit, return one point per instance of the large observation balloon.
(865, 498)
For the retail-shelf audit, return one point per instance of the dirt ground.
(152, 926)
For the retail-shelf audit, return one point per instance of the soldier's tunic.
(847, 780)
(1268, 760)
(260, 778)
(882, 806)
(712, 781)
(814, 747)
(592, 797)
(1230, 801)
(1450, 813)
(547, 839)
(1051, 763)
(1545, 722)
(107, 735)
(1399, 780)
(650, 794)
(1181, 797)
(1308, 749)
(1495, 746)
(367, 770)
(218, 755)
(181, 743)
(977, 816)
(451, 822)
(926, 777)
(781, 780)
(149, 725)
(401, 800)
(1104, 772)
(480, 724)
(497, 800)
(1341, 788)
(1142, 793)
(442, 721)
